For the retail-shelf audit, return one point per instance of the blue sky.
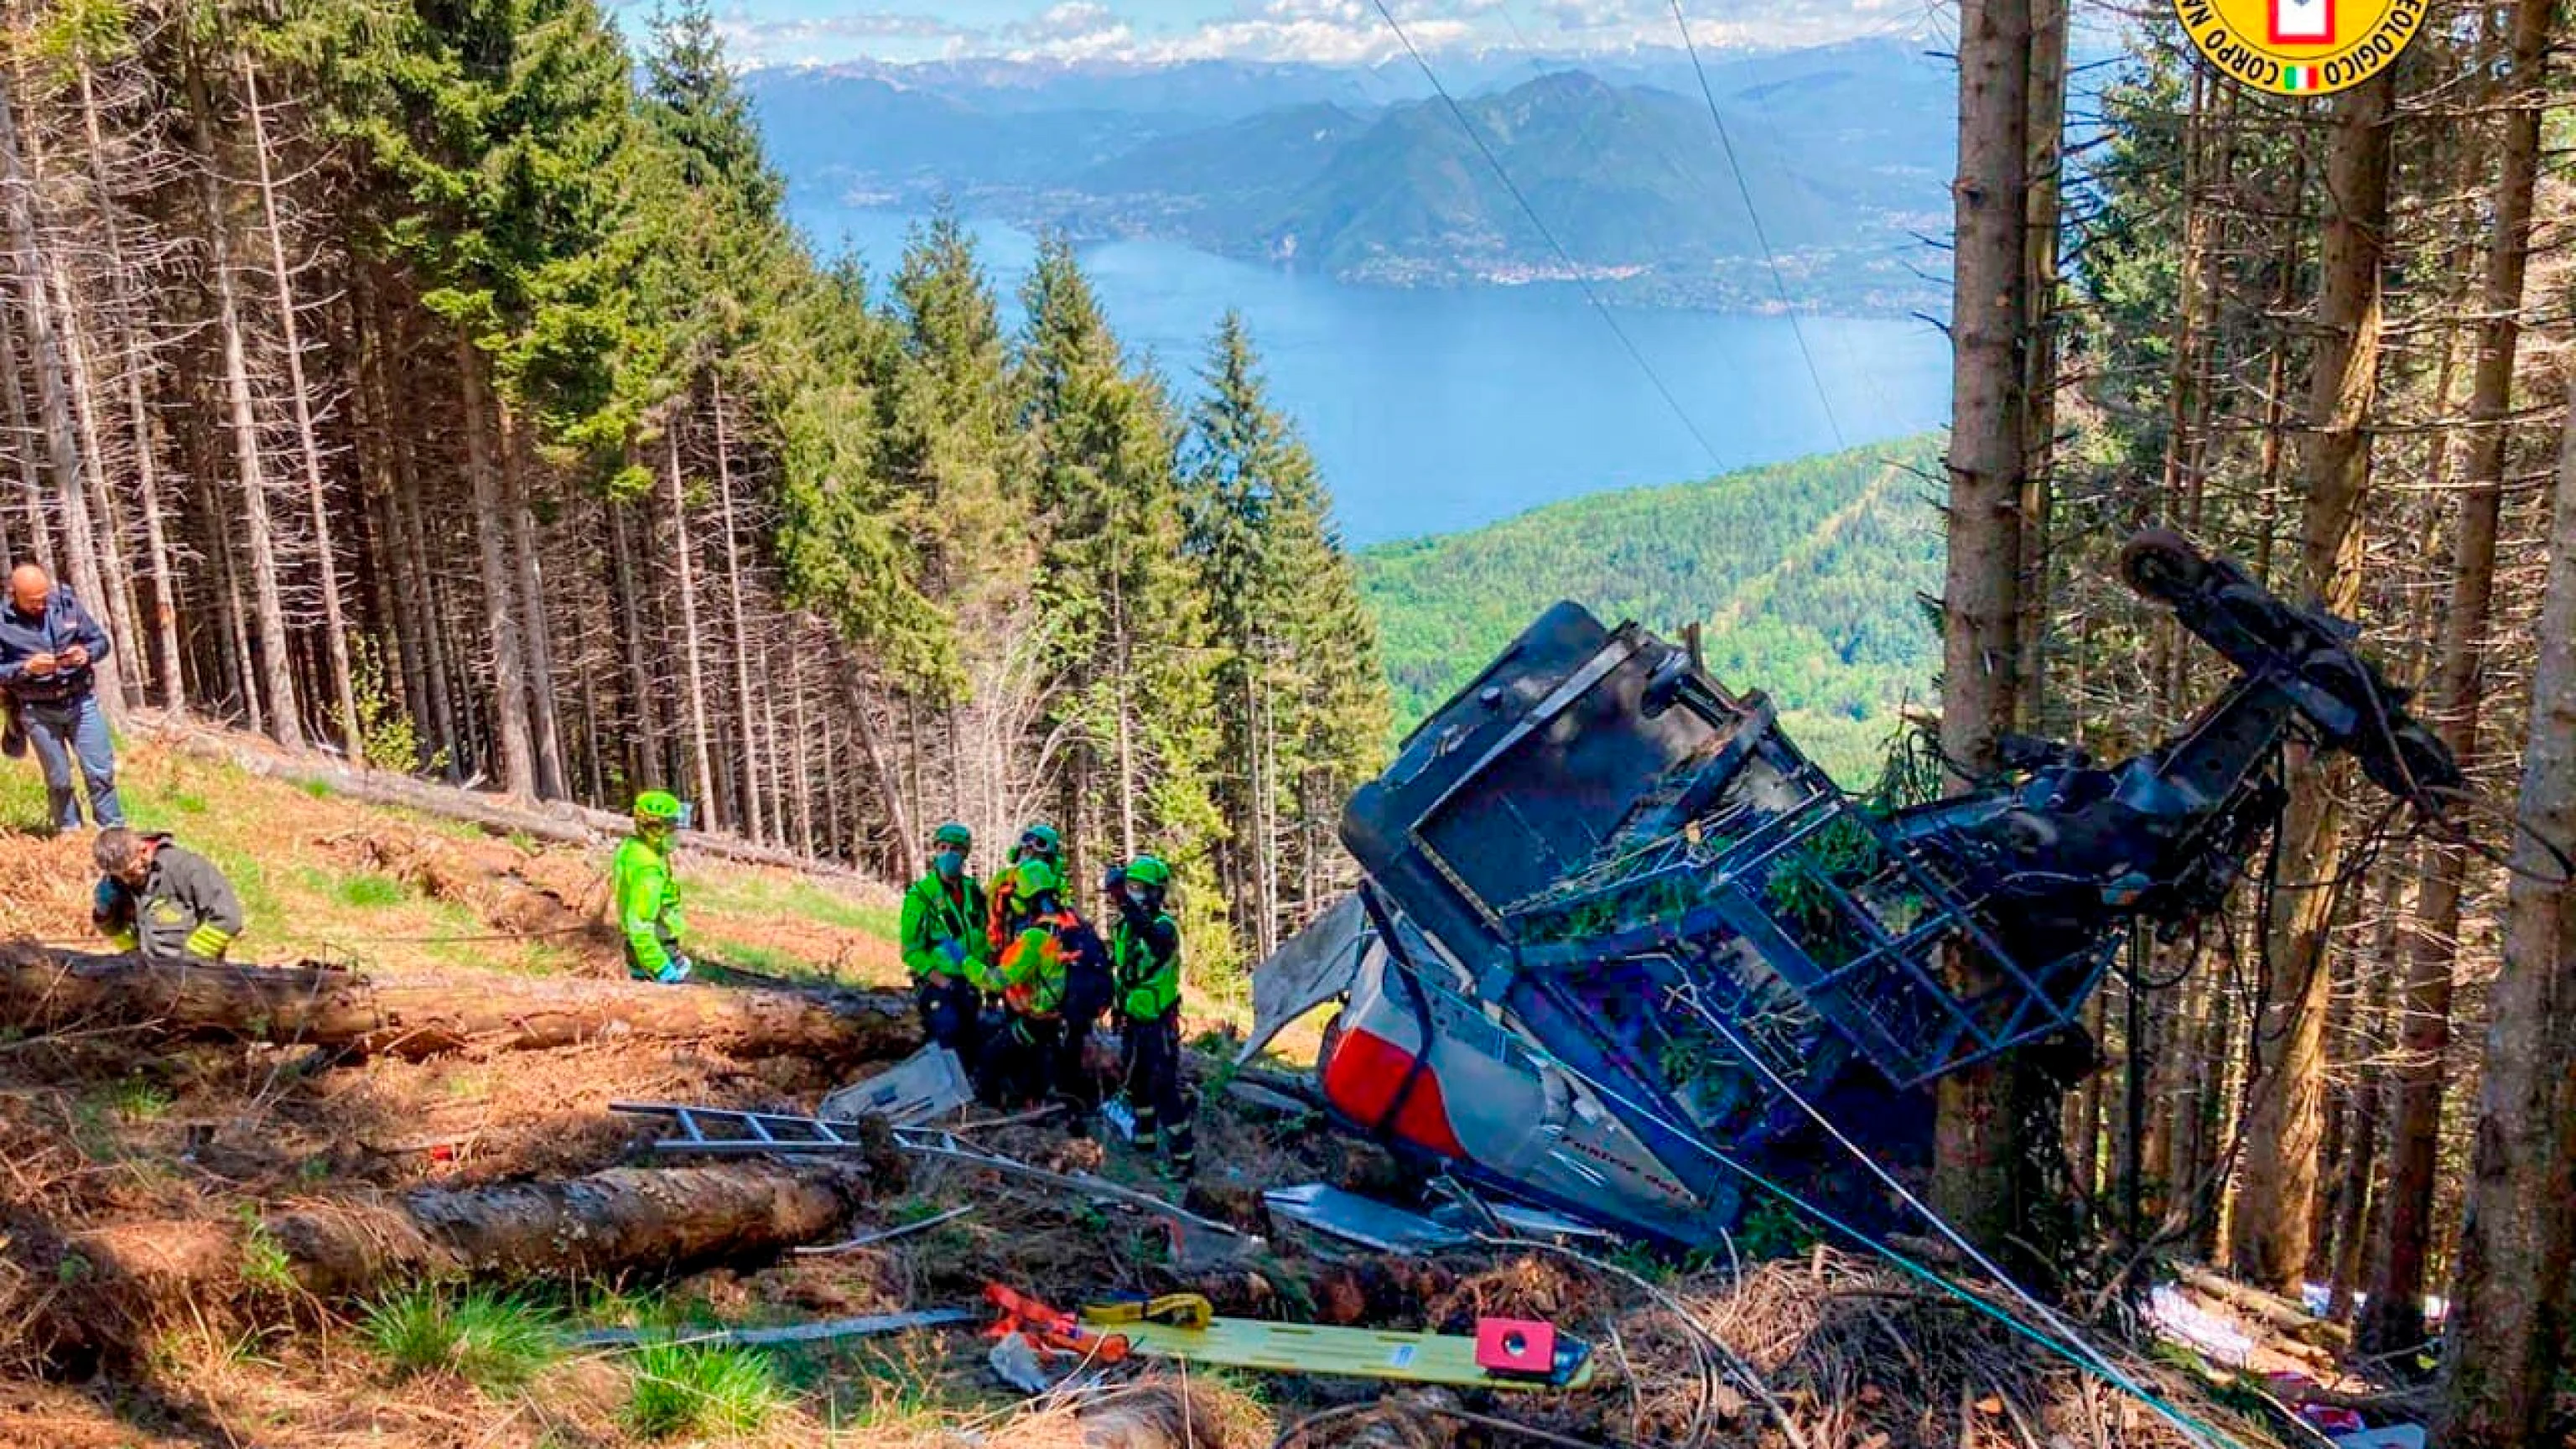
(1337, 32)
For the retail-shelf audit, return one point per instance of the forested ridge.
(1807, 577)
(443, 385)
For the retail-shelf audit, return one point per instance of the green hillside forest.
(1805, 575)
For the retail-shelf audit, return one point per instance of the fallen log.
(2271, 1310)
(117, 1283)
(421, 1015)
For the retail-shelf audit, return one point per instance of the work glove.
(102, 901)
(954, 950)
(674, 970)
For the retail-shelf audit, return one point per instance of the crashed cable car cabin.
(1616, 933)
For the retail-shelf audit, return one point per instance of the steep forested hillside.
(444, 386)
(1806, 576)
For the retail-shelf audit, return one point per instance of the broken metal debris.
(885, 1235)
(1620, 945)
(724, 1130)
(1356, 1219)
(923, 1087)
(789, 1333)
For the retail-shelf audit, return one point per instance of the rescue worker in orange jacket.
(1044, 971)
(1005, 910)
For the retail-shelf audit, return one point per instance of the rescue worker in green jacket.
(946, 947)
(1005, 911)
(1145, 964)
(1036, 971)
(161, 899)
(647, 895)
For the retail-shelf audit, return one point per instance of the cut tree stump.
(419, 1015)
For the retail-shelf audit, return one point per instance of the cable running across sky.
(1610, 319)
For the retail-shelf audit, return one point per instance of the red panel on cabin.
(1364, 1076)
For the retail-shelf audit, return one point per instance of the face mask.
(950, 862)
(1141, 895)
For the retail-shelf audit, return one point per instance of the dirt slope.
(111, 1154)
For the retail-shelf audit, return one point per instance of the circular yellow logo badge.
(2300, 47)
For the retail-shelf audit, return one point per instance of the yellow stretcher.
(1181, 1326)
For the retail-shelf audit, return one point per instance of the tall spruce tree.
(1302, 701)
(1123, 622)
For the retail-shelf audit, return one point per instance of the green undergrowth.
(717, 951)
(699, 1389)
(494, 1341)
(745, 893)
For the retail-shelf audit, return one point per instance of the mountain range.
(1353, 173)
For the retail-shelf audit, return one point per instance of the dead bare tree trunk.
(518, 469)
(752, 822)
(165, 611)
(31, 482)
(692, 654)
(604, 1226)
(53, 382)
(260, 540)
(2268, 1241)
(646, 769)
(335, 628)
(518, 772)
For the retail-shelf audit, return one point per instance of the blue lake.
(1432, 411)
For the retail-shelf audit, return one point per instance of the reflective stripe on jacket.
(1147, 961)
(1036, 964)
(185, 910)
(648, 903)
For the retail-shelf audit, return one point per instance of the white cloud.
(1069, 19)
(1317, 41)
(1321, 32)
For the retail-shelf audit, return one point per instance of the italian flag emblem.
(2296, 78)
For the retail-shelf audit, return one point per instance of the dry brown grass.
(465, 898)
(123, 1175)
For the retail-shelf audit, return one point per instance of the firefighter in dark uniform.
(1145, 964)
(162, 900)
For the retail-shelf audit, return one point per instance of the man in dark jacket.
(50, 650)
(160, 899)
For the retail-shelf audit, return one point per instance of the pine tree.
(1301, 699)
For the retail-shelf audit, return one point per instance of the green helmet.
(954, 834)
(1044, 838)
(1147, 870)
(658, 807)
(1037, 878)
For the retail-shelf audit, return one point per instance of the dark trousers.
(951, 1016)
(68, 734)
(1151, 1068)
(1022, 1060)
